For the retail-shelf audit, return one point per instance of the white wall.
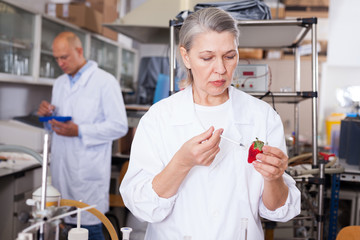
(343, 61)
(344, 34)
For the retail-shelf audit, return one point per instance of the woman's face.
(212, 60)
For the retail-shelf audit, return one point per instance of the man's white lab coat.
(211, 200)
(81, 166)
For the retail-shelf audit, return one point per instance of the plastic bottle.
(126, 233)
(332, 123)
(78, 233)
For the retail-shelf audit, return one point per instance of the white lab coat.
(211, 200)
(81, 166)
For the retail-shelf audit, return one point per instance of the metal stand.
(44, 180)
(334, 206)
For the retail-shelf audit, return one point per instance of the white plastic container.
(126, 233)
(53, 196)
(78, 234)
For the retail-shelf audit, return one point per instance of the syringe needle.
(233, 141)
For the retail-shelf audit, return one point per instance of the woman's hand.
(200, 150)
(273, 163)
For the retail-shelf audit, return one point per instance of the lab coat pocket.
(92, 164)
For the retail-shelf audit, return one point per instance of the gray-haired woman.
(183, 178)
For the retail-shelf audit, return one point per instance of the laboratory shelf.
(270, 34)
(14, 44)
(46, 52)
(283, 97)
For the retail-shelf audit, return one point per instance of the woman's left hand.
(272, 163)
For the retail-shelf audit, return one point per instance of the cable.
(272, 98)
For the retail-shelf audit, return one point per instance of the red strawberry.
(255, 148)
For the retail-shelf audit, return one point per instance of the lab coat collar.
(85, 76)
(184, 113)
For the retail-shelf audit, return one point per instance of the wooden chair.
(349, 233)
(115, 200)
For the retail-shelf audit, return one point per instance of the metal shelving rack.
(280, 34)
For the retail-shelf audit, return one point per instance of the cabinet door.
(105, 54)
(16, 40)
(128, 70)
(49, 30)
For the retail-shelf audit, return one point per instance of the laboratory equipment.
(78, 233)
(350, 140)
(50, 209)
(53, 196)
(252, 77)
(57, 118)
(126, 232)
(17, 133)
(233, 141)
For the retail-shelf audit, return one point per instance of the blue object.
(352, 114)
(162, 89)
(334, 206)
(57, 118)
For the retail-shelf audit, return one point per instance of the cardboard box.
(108, 9)
(81, 15)
(250, 53)
(274, 54)
(110, 15)
(280, 12)
(100, 4)
(306, 14)
(307, 3)
(321, 47)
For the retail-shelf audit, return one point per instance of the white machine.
(18, 133)
(252, 77)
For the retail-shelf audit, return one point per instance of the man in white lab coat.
(81, 148)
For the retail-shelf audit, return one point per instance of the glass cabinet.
(105, 54)
(128, 70)
(16, 40)
(49, 30)
(26, 48)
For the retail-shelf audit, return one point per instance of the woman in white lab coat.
(183, 178)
